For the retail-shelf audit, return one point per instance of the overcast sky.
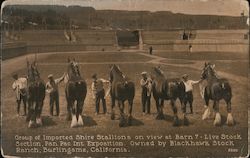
(214, 7)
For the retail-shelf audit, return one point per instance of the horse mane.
(117, 70)
(33, 74)
(73, 70)
(115, 67)
(211, 70)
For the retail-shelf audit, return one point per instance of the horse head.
(73, 68)
(115, 71)
(156, 72)
(33, 73)
(207, 71)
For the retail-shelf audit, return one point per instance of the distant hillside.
(61, 17)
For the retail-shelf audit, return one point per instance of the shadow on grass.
(89, 121)
(136, 122)
(170, 118)
(48, 121)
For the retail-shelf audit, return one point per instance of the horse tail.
(227, 88)
(131, 87)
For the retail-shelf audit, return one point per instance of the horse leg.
(28, 117)
(112, 108)
(122, 117)
(32, 116)
(176, 119)
(230, 119)
(25, 104)
(207, 111)
(79, 112)
(73, 113)
(191, 103)
(161, 109)
(158, 108)
(217, 120)
(39, 112)
(183, 107)
(69, 116)
(130, 102)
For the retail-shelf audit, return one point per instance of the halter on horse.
(216, 90)
(75, 90)
(167, 89)
(121, 90)
(73, 70)
(36, 95)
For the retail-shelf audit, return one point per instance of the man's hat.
(185, 76)
(50, 75)
(144, 73)
(94, 76)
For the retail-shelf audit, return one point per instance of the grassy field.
(95, 57)
(132, 64)
(203, 55)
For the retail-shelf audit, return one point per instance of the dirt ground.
(232, 66)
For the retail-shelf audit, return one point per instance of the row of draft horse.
(123, 89)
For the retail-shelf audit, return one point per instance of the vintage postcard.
(124, 78)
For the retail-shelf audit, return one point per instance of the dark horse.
(75, 90)
(122, 89)
(35, 96)
(168, 89)
(216, 89)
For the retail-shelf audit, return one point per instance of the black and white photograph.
(125, 78)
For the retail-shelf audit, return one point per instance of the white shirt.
(20, 83)
(189, 85)
(52, 87)
(147, 84)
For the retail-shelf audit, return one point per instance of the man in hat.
(146, 85)
(52, 89)
(189, 91)
(20, 87)
(98, 93)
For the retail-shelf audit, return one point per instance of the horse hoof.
(185, 121)
(157, 117)
(217, 121)
(206, 114)
(31, 124)
(39, 122)
(73, 122)
(176, 121)
(230, 120)
(80, 121)
(130, 120)
(122, 122)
